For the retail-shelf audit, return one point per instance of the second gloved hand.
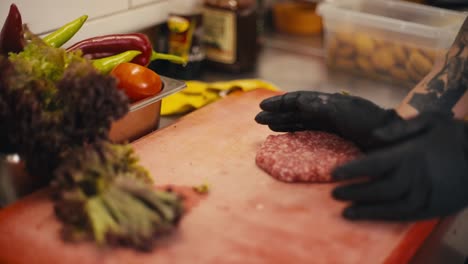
(351, 117)
(423, 173)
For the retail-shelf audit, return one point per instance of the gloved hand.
(423, 173)
(351, 117)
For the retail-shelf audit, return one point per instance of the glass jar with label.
(185, 38)
(230, 35)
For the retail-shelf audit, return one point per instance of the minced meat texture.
(305, 156)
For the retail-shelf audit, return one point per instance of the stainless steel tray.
(144, 115)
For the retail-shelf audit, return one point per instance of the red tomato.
(137, 81)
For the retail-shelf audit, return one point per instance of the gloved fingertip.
(350, 213)
(268, 104)
(263, 103)
(260, 118)
(337, 194)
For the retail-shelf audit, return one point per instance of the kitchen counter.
(296, 63)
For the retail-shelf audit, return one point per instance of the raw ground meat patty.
(305, 156)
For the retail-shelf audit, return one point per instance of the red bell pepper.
(11, 36)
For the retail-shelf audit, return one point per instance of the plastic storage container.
(390, 40)
(296, 18)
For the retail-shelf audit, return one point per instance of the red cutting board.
(248, 217)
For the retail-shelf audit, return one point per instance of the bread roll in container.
(395, 41)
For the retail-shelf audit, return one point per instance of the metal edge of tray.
(170, 86)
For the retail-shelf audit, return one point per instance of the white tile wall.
(105, 16)
(45, 15)
(135, 19)
(139, 2)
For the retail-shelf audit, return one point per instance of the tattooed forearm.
(449, 84)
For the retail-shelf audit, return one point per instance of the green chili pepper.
(105, 65)
(66, 32)
(169, 57)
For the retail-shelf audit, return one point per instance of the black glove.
(351, 117)
(422, 174)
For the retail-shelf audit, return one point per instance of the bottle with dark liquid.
(230, 35)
